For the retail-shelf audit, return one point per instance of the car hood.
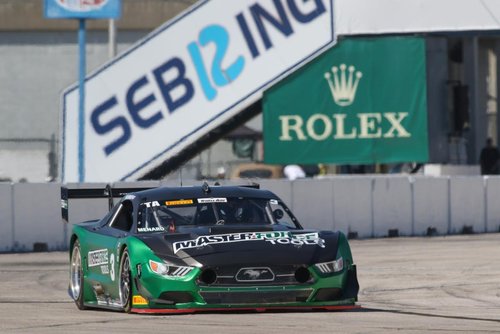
(244, 246)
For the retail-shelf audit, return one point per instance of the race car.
(205, 248)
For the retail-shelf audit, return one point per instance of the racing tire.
(125, 282)
(76, 281)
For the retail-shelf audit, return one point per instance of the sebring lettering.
(119, 117)
(321, 127)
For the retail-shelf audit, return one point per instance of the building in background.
(38, 60)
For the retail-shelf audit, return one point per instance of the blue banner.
(82, 9)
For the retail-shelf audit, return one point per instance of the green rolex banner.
(361, 102)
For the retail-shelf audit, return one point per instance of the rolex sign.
(361, 102)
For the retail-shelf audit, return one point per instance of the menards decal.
(281, 237)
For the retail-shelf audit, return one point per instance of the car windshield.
(159, 216)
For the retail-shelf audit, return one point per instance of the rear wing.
(87, 193)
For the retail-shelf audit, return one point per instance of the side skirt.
(104, 306)
(254, 309)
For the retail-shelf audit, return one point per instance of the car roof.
(164, 193)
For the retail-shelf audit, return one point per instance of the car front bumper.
(155, 294)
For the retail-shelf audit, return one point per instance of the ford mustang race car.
(205, 248)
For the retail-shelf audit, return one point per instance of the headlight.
(331, 267)
(164, 269)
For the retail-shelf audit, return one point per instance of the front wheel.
(125, 282)
(76, 276)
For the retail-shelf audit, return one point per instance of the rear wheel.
(125, 282)
(76, 276)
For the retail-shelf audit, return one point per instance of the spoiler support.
(87, 193)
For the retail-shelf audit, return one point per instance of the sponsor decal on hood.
(275, 238)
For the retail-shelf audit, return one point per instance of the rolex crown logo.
(343, 86)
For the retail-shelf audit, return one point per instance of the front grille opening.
(302, 275)
(208, 276)
(260, 297)
(176, 297)
(234, 275)
(328, 294)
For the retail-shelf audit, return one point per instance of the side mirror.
(278, 214)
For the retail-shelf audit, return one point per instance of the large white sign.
(186, 78)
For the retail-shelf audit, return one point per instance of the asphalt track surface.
(408, 285)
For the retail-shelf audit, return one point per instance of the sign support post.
(112, 38)
(81, 102)
(82, 10)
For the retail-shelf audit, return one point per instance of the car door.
(104, 256)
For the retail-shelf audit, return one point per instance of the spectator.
(293, 172)
(310, 170)
(489, 158)
(221, 173)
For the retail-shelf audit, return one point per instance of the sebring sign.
(363, 101)
(186, 78)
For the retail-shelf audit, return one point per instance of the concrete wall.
(6, 217)
(312, 203)
(467, 204)
(353, 205)
(431, 205)
(492, 207)
(369, 206)
(37, 209)
(392, 205)
(18, 164)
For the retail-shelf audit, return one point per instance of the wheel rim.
(76, 272)
(125, 279)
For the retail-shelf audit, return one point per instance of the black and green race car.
(205, 248)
